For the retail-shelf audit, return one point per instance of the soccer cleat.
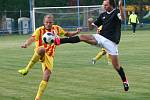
(93, 61)
(23, 71)
(126, 85)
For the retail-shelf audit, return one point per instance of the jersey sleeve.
(98, 21)
(117, 11)
(36, 34)
(61, 31)
(116, 14)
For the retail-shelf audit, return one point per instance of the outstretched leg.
(75, 39)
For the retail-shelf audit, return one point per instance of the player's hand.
(28, 42)
(24, 45)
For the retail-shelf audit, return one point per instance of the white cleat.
(93, 61)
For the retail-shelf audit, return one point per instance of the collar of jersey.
(110, 12)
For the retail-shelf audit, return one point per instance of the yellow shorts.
(47, 62)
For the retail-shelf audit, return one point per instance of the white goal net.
(67, 17)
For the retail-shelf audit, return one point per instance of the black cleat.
(126, 85)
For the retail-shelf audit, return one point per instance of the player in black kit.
(108, 38)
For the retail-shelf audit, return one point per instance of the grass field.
(74, 77)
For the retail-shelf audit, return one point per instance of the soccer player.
(109, 37)
(44, 52)
(133, 20)
(102, 51)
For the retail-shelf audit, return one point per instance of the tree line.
(11, 8)
(14, 5)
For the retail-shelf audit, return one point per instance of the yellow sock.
(99, 55)
(33, 60)
(41, 89)
(108, 58)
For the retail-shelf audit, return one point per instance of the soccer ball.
(48, 38)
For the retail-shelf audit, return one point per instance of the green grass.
(74, 77)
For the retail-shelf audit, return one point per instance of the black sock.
(122, 74)
(74, 39)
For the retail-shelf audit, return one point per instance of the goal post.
(67, 17)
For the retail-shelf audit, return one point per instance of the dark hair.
(112, 3)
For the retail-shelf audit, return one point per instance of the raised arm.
(121, 10)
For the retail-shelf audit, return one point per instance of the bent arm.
(69, 34)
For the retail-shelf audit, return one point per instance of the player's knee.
(41, 51)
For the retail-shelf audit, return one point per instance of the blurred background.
(23, 16)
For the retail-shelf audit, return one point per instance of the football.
(48, 38)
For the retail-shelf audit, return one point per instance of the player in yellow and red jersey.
(44, 52)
